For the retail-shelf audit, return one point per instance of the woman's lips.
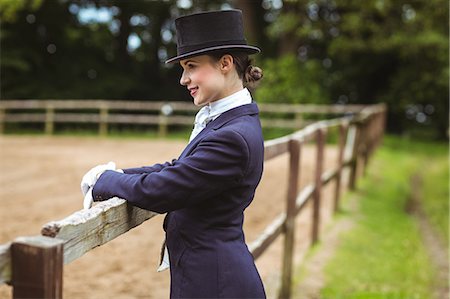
(193, 91)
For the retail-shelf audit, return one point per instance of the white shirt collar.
(213, 110)
(242, 97)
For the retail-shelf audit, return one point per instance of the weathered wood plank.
(93, 104)
(276, 147)
(24, 117)
(328, 175)
(270, 233)
(308, 133)
(150, 119)
(5, 263)
(87, 229)
(303, 197)
(282, 123)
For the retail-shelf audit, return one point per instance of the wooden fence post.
(355, 157)
(37, 267)
(103, 122)
(163, 122)
(320, 139)
(162, 126)
(343, 129)
(366, 136)
(383, 116)
(379, 125)
(299, 120)
(377, 129)
(289, 233)
(49, 119)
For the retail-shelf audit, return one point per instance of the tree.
(375, 51)
(49, 50)
(396, 52)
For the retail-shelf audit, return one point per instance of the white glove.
(165, 264)
(88, 199)
(90, 178)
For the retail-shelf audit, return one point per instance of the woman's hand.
(90, 178)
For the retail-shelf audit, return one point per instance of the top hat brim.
(241, 48)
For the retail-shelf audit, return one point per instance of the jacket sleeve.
(147, 169)
(218, 163)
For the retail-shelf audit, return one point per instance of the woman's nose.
(184, 80)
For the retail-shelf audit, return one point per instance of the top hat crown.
(204, 32)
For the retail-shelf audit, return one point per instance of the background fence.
(34, 265)
(163, 115)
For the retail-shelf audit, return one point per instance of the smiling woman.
(206, 190)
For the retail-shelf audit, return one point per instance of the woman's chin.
(199, 102)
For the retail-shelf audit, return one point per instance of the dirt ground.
(40, 181)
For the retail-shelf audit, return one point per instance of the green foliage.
(376, 51)
(287, 80)
(9, 8)
(396, 52)
(49, 52)
(272, 133)
(313, 51)
(381, 256)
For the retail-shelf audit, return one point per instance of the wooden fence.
(33, 265)
(105, 113)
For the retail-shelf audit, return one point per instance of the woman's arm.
(147, 169)
(218, 163)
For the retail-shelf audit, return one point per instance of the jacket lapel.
(219, 122)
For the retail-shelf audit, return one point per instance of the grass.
(435, 200)
(431, 162)
(383, 256)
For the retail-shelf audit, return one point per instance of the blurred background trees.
(314, 51)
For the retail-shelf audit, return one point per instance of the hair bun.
(253, 74)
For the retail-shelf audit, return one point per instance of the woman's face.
(203, 78)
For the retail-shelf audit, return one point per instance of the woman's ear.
(226, 63)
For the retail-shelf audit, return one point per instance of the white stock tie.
(201, 120)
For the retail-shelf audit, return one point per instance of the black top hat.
(209, 31)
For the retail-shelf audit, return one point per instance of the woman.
(206, 190)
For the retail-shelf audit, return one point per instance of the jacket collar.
(224, 118)
(231, 114)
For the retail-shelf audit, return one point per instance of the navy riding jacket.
(205, 192)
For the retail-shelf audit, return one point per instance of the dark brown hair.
(249, 74)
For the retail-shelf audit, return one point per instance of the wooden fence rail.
(33, 265)
(161, 114)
